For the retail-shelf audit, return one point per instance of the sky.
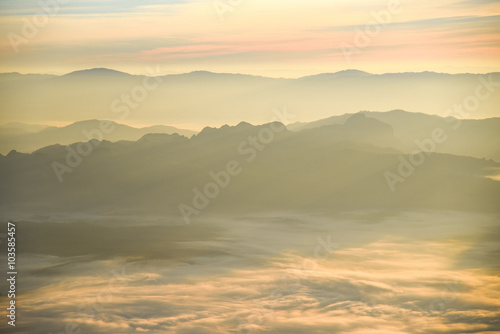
(279, 38)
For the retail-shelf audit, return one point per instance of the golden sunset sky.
(278, 38)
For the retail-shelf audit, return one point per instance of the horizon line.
(349, 70)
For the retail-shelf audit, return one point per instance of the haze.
(248, 167)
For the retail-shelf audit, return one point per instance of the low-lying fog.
(358, 272)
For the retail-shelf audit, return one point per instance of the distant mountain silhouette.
(318, 169)
(203, 97)
(396, 131)
(97, 72)
(345, 73)
(15, 128)
(357, 129)
(75, 132)
(464, 137)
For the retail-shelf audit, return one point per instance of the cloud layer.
(403, 273)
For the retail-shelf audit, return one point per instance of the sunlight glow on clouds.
(407, 273)
(395, 290)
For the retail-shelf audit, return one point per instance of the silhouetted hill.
(273, 170)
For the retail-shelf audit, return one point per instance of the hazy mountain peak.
(225, 127)
(351, 72)
(155, 139)
(208, 74)
(358, 115)
(359, 121)
(96, 72)
(207, 129)
(340, 74)
(85, 124)
(244, 124)
(155, 136)
(51, 149)
(12, 153)
(201, 72)
(215, 75)
(243, 128)
(88, 122)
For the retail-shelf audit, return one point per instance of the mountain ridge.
(159, 172)
(396, 129)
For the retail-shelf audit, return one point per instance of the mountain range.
(357, 165)
(397, 130)
(207, 98)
